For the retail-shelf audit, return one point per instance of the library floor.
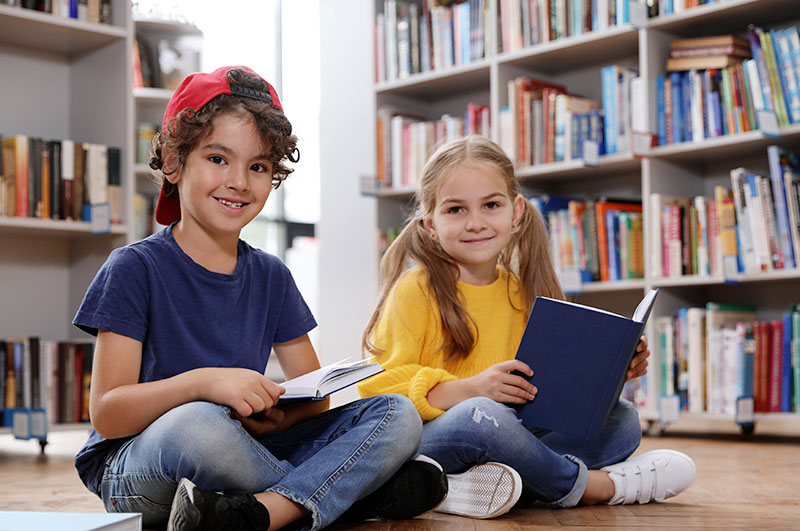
(741, 483)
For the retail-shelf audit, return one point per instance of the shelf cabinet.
(686, 169)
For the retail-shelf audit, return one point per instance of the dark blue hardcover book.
(677, 108)
(579, 356)
(686, 106)
(786, 364)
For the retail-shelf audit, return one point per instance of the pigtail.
(414, 245)
(528, 254)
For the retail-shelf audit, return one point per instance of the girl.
(447, 331)
(185, 321)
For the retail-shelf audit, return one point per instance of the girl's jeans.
(553, 466)
(324, 463)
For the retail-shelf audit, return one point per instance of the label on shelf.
(100, 218)
(669, 408)
(768, 123)
(745, 410)
(642, 142)
(638, 14)
(591, 153)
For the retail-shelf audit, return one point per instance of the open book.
(318, 384)
(579, 356)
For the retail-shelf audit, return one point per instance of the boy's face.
(226, 179)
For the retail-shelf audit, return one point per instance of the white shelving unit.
(687, 169)
(62, 79)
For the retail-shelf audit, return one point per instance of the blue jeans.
(553, 466)
(324, 463)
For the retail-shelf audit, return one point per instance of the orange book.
(601, 207)
(21, 175)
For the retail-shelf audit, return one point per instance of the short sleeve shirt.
(188, 317)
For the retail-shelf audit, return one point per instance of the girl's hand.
(264, 423)
(500, 384)
(243, 390)
(639, 362)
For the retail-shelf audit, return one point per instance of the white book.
(19, 520)
(318, 384)
(696, 357)
(748, 254)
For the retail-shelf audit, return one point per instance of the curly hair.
(184, 132)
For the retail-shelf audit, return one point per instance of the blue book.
(662, 117)
(579, 356)
(71, 521)
(686, 106)
(786, 364)
(784, 59)
(677, 106)
(612, 244)
(609, 94)
(779, 161)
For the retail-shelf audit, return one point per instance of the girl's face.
(473, 219)
(226, 179)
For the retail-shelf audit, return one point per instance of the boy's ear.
(170, 166)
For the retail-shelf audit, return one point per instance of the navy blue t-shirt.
(188, 317)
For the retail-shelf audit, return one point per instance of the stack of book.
(702, 53)
(600, 238)
(54, 375)
(406, 141)
(96, 11)
(58, 179)
(711, 356)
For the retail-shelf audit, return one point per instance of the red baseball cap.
(194, 93)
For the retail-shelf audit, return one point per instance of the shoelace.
(640, 483)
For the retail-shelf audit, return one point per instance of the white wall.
(347, 226)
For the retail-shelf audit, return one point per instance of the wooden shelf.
(440, 83)
(31, 29)
(727, 16)
(38, 228)
(152, 95)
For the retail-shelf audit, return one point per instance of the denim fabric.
(324, 463)
(553, 466)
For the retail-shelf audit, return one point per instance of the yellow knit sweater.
(409, 334)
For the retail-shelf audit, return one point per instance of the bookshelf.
(149, 104)
(685, 169)
(62, 79)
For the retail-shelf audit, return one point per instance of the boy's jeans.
(553, 466)
(324, 463)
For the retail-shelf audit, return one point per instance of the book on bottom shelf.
(579, 356)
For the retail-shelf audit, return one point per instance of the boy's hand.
(500, 384)
(243, 390)
(263, 423)
(639, 362)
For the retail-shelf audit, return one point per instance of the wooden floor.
(741, 483)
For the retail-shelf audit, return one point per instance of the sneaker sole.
(483, 491)
(183, 515)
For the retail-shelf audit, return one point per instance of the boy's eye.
(260, 168)
(216, 159)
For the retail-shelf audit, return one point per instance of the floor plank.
(741, 483)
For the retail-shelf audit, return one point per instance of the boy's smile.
(473, 220)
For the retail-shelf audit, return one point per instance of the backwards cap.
(194, 93)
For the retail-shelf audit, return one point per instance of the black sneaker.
(198, 509)
(418, 486)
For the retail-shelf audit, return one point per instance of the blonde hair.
(527, 254)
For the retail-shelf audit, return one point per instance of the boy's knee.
(400, 415)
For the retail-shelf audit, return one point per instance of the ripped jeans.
(553, 466)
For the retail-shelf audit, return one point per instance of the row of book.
(710, 357)
(597, 239)
(543, 123)
(752, 226)
(412, 37)
(723, 93)
(98, 11)
(53, 375)
(58, 179)
(405, 141)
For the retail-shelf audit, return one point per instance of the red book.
(775, 358)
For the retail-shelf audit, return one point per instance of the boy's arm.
(120, 406)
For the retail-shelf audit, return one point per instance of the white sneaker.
(655, 475)
(483, 491)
